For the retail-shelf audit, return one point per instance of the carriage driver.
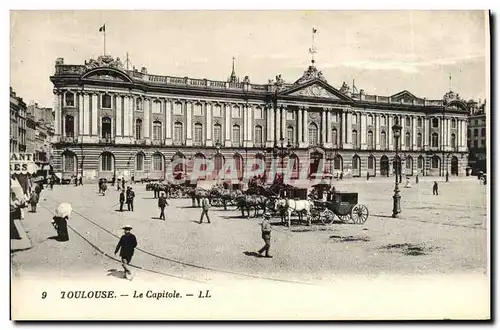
(266, 235)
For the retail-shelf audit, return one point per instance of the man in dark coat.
(113, 180)
(266, 235)
(435, 188)
(126, 246)
(162, 203)
(122, 199)
(205, 203)
(130, 198)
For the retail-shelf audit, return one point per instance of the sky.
(384, 51)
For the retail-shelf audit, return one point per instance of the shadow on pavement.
(56, 238)
(116, 273)
(252, 254)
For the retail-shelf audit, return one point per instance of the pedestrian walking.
(123, 183)
(266, 235)
(130, 198)
(416, 179)
(52, 181)
(367, 176)
(126, 246)
(113, 180)
(76, 181)
(39, 188)
(435, 188)
(205, 203)
(132, 180)
(122, 199)
(80, 179)
(447, 177)
(162, 203)
(156, 189)
(118, 184)
(33, 201)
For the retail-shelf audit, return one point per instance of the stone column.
(189, 123)
(277, 118)
(86, 115)
(146, 122)
(250, 125)
(95, 117)
(299, 126)
(414, 132)
(363, 130)
(168, 121)
(349, 129)
(208, 129)
(80, 120)
(227, 124)
(323, 126)
(328, 123)
(305, 131)
(390, 144)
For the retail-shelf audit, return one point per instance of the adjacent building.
(476, 136)
(18, 123)
(43, 132)
(112, 121)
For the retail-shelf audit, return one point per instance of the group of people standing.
(127, 196)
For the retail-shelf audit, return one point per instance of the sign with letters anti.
(22, 162)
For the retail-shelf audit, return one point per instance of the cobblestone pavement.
(435, 235)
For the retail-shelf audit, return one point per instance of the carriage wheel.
(345, 217)
(327, 217)
(359, 214)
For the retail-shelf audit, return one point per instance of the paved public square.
(435, 235)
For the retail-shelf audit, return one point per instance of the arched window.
(236, 112)
(238, 162)
(106, 162)
(218, 133)
(371, 162)
(407, 121)
(383, 121)
(105, 101)
(157, 136)
(337, 162)
(369, 120)
(355, 138)
(408, 139)
(435, 140)
(106, 128)
(138, 129)
(295, 167)
(69, 126)
(289, 134)
(178, 108)
(139, 162)
(178, 130)
(236, 135)
(419, 122)
(383, 140)
(435, 162)
(355, 162)
(157, 161)
(69, 99)
(409, 163)
(435, 122)
(370, 140)
(420, 162)
(257, 113)
(69, 161)
(419, 140)
(217, 111)
(258, 134)
(198, 133)
(218, 162)
(313, 134)
(453, 140)
(334, 136)
(156, 107)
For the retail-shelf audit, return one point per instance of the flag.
(102, 28)
(314, 30)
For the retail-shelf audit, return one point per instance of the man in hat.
(126, 246)
(266, 235)
(162, 203)
(130, 198)
(122, 199)
(205, 204)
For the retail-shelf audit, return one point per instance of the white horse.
(299, 206)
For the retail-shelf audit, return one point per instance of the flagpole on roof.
(103, 30)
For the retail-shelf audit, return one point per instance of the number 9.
(44, 294)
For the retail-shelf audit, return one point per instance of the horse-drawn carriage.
(344, 205)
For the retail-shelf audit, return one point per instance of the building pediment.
(316, 89)
(404, 96)
(107, 74)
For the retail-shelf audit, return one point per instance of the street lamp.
(396, 129)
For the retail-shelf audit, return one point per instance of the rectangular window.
(217, 111)
(106, 101)
(475, 143)
(236, 135)
(435, 141)
(156, 107)
(217, 133)
(483, 132)
(476, 132)
(178, 133)
(139, 163)
(156, 132)
(198, 110)
(198, 134)
(177, 108)
(157, 163)
(69, 163)
(290, 115)
(258, 134)
(289, 135)
(258, 113)
(408, 121)
(370, 163)
(69, 99)
(236, 112)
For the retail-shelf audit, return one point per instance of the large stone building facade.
(477, 137)
(112, 121)
(18, 123)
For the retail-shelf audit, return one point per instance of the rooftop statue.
(104, 61)
(310, 74)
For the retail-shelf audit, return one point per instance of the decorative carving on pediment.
(315, 91)
(104, 61)
(313, 115)
(451, 96)
(310, 74)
